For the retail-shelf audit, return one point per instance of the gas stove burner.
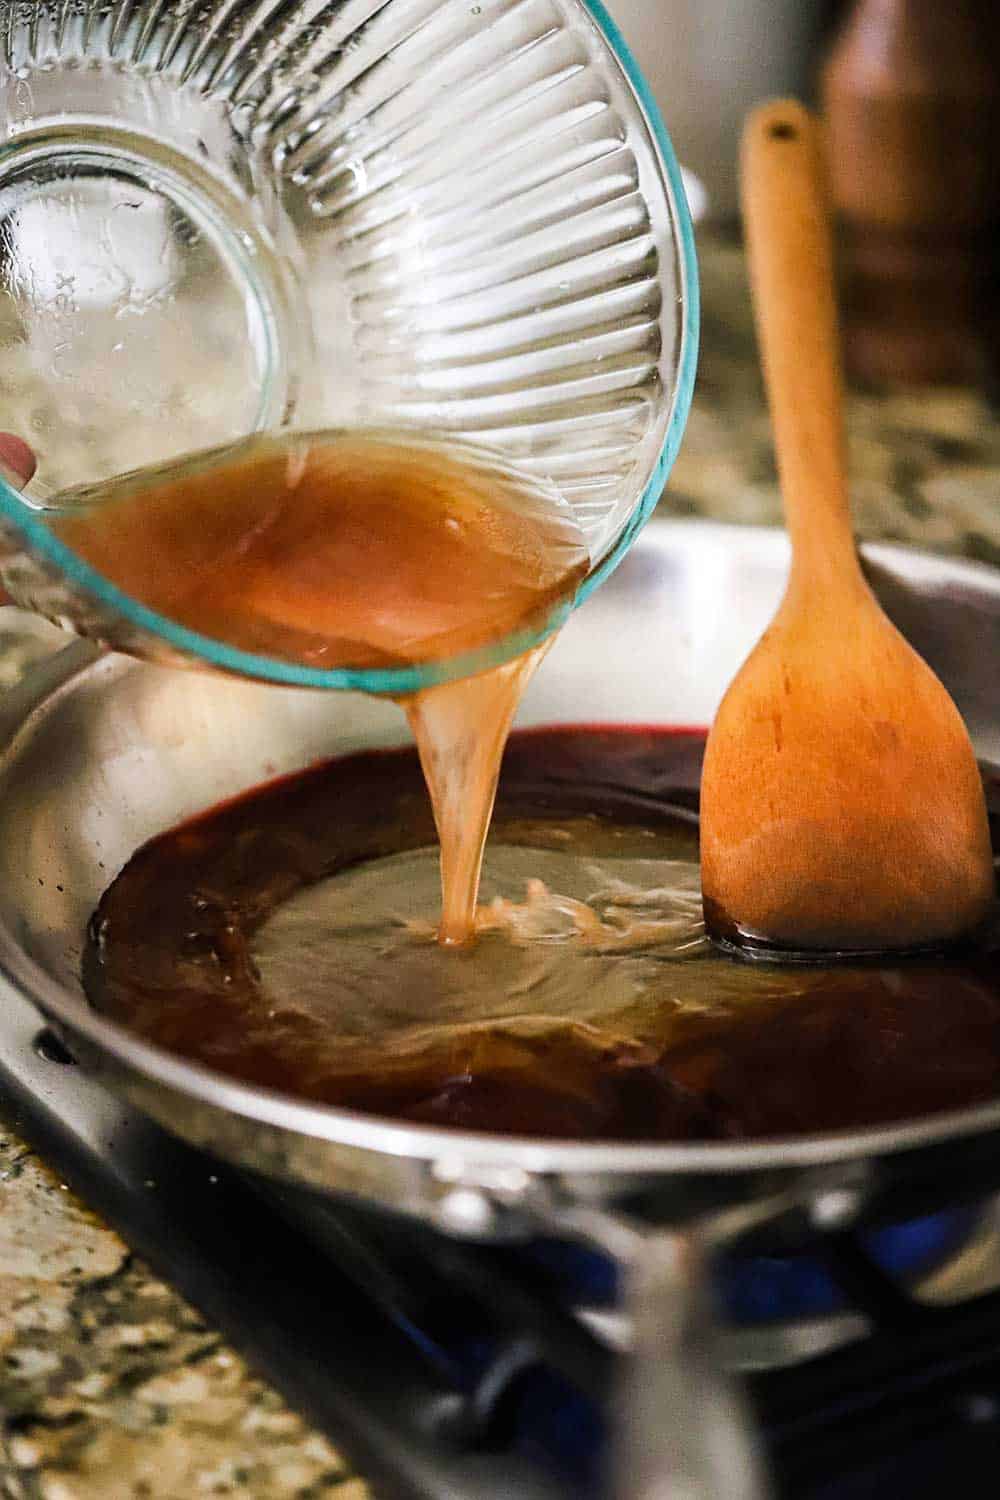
(758, 1289)
(450, 1371)
(769, 1289)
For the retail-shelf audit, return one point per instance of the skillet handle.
(684, 1429)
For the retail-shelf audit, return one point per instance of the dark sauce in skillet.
(261, 940)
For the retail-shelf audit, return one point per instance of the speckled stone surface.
(111, 1387)
(924, 465)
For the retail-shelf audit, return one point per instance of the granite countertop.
(111, 1387)
(924, 465)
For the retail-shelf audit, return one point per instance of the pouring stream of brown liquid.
(357, 551)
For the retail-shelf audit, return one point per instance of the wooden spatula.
(841, 807)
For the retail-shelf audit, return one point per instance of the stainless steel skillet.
(97, 754)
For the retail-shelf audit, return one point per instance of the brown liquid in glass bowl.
(359, 550)
(287, 939)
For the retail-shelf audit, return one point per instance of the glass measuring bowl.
(218, 218)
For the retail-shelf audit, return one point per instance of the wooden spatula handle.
(786, 221)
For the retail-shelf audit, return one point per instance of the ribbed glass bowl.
(220, 216)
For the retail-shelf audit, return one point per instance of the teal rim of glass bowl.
(390, 680)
